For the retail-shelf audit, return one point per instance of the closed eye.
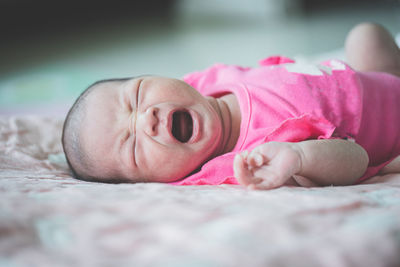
(134, 152)
(131, 143)
(138, 93)
(134, 158)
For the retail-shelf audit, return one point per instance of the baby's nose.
(149, 121)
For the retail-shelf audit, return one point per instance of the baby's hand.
(268, 165)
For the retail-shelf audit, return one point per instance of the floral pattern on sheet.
(47, 218)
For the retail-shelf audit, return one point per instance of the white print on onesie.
(311, 69)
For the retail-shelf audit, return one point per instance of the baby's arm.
(310, 163)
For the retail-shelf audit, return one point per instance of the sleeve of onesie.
(302, 128)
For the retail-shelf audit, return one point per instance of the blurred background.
(52, 50)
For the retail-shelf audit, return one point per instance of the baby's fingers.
(264, 185)
(255, 159)
(270, 178)
(242, 172)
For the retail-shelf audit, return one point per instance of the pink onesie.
(285, 101)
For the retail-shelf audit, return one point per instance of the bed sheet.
(47, 218)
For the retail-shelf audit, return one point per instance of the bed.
(47, 218)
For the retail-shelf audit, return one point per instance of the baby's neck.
(231, 118)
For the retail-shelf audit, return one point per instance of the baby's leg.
(370, 47)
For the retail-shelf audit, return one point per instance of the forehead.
(99, 118)
(102, 99)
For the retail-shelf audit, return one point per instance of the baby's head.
(144, 129)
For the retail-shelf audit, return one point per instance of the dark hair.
(70, 136)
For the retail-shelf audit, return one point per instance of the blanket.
(47, 218)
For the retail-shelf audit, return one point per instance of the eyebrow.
(122, 95)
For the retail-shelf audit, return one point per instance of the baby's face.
(149, 129)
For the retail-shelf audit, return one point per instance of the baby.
(261, 127)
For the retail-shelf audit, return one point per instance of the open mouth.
(182, 125)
